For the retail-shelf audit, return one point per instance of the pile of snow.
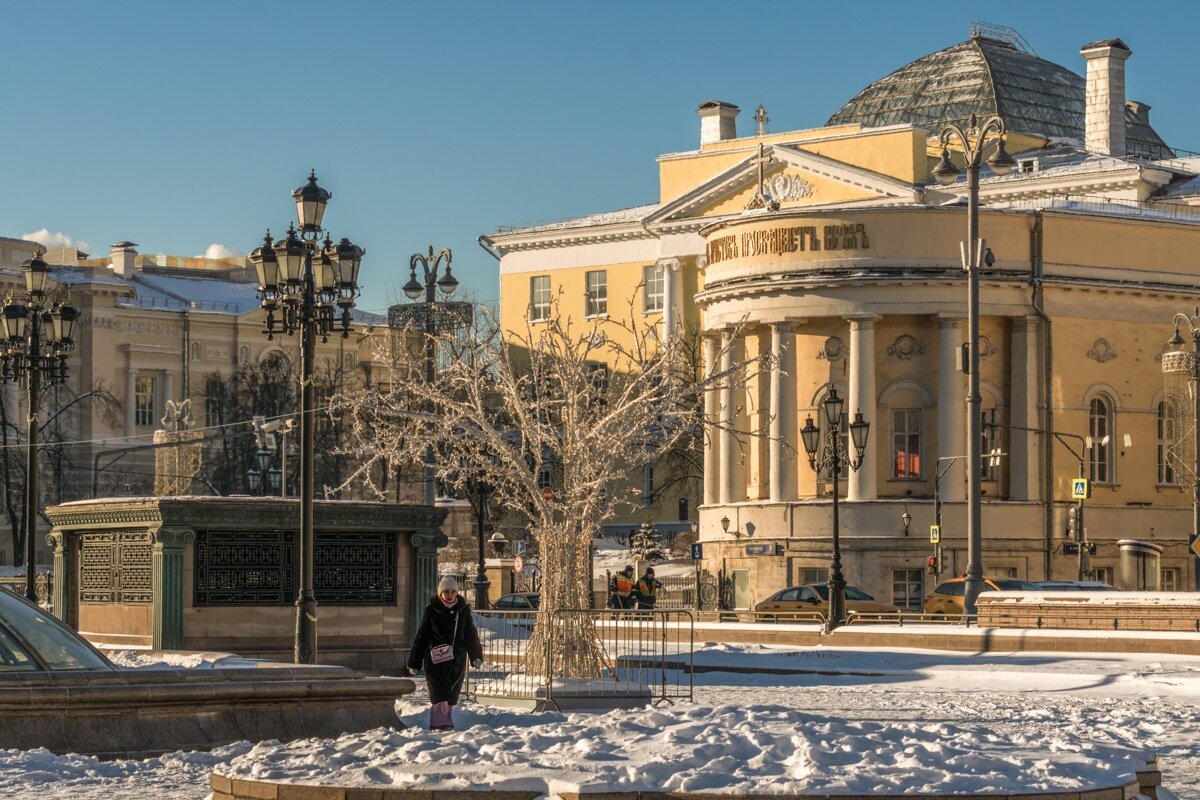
(161, 659)
(768, 749)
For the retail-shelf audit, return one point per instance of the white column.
(130, 374)
(168, 390)
(951, 407)
(671, 296)
(729, 445)
(782, 459)
(862, 485)
(1024, 482)
(712, 404)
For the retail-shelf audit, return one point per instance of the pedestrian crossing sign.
(1080, 489)
(935, 534)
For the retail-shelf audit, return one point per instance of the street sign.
(697, 551)
(548, 492)
(935, 534)
(1080, 489)
(519, 547)
(518, 564)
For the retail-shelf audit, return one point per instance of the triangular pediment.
(791, 177)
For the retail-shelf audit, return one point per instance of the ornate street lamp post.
(300, 281)
(1187, 365)
(973, 141)
(27, 352)
(833, 456)
(432, 317)
(479, 490)
(264, 478)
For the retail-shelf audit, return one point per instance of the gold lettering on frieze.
(777, 241)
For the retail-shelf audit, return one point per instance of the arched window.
(1100, 447)
(1166, 435)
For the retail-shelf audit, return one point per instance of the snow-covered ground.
(837, 720)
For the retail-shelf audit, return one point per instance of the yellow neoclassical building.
(834, 250)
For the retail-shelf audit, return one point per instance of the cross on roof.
(760, 116)
(760, 200)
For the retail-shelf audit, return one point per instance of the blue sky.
(184, 125)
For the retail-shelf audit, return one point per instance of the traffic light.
(933, 565)
(1073, 523)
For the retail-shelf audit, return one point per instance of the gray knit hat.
(446, 584)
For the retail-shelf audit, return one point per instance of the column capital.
(671, 264)
(950, 320)
(862, 321)
(787, 325)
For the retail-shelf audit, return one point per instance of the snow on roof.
(632, 214)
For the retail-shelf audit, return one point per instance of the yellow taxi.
(814, 597)
(947, 598)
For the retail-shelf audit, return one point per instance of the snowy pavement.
(837, 720)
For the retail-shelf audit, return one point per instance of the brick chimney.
(1104, 98)
(124, 259)
(718, 121)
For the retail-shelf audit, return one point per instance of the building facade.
(832, 250)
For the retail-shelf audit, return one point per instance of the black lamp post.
(1190, 364)
(301, 282)
(264, 469)
(479, 490)
(28, 352)
(832, 457)
(973, 141)
(432, 317)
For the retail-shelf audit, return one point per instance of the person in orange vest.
(621, 589)
(647, 590)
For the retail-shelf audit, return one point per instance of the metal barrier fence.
(644, 657)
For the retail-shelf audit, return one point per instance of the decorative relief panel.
(1102, 351)
(834, 349)
(986, 348)
(905, 347)
(115, 567)
(787, 187)
(260, 568)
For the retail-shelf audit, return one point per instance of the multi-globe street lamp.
(28, 352)
(1188, 365)
(831, 458)
(431, 316)
(300, 280)
(264, 477)
(974, 140)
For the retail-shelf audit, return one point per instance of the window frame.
(654, 286)
(595, 293)
(1101, 465)
(145, 414)
(1166, 471)
(914, 602)
(539, 298)
(910, 435)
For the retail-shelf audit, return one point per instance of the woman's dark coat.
(437, 627)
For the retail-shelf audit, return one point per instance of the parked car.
(525, 601)
(948, 597)
(1077, 586)
(814, 597)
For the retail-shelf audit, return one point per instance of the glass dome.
(33, 641)
(985, 76)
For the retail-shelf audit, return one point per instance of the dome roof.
(987, 76)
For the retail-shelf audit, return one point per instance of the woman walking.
(445, 639)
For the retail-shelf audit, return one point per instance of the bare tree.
(546, 415)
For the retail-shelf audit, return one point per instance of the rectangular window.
(989, 470)
(908, 589)
(814, 575)
(539, 297)
(214, 395)
(597, 293)
(1169, 580)
(1166, 437)
(1100, 425)
(145, 389)
(654, 287)
(906, 443)
(545, 476)
(1104, 574)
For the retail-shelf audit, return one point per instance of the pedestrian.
(621, 589)
(647, 590)
(445, 639)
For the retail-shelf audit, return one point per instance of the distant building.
(153, 328)
(835, 250)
